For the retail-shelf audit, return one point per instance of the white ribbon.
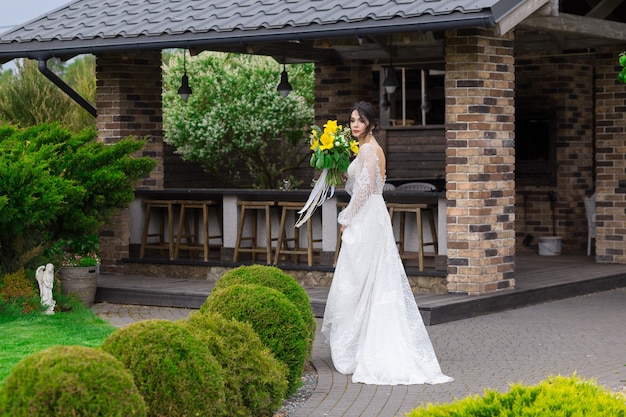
(319, 194)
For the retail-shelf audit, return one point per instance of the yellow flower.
(315, 144)
(330, 126)
(354, 146)
(328, 141)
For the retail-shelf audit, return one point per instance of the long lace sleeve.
(364, 183)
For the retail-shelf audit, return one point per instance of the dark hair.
(366, 111)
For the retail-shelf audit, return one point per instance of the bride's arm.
(364, 184)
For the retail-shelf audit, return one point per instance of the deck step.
(537, 281)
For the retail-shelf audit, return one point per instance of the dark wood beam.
(603, 9)
(577, 25)
(295, 53)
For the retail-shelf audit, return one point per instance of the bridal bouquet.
(332, 149)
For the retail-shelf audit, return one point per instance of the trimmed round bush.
(557, 396)
(175, 372)
(272, 316)
(273, 277)
(70, 381)
(255, 381)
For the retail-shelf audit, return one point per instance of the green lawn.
(22, 335)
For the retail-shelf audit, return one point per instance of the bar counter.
(325, 217)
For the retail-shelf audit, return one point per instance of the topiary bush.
(70, 381)
(175, 372)
(557, 396)
(273, 277)
(272, 316)
(255, 381)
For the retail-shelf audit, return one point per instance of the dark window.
(535, 150)
(407, 105)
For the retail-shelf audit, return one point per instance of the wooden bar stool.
(420, 210)
(192, 238)
(282, 246)
(165, 241)
(340, 206)
(253, 207)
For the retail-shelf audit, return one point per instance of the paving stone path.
(585, 334)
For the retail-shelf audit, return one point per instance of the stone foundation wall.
(419, 284)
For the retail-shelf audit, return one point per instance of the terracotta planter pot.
(82, 281)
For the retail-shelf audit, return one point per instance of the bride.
(372, 321)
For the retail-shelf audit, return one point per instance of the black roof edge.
(63, 48)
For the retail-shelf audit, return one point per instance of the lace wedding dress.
(372, 322)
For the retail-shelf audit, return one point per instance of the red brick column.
(610, 159)
(128, 101)
(480, 158)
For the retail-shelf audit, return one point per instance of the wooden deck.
(538, 279)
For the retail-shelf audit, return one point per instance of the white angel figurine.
(45, 278)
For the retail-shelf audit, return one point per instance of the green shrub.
(255, 381)
(62, 185)
(70, 381)
(557, 396)
(275, 278)
(272, 316)
(17, 292)
(174, 371)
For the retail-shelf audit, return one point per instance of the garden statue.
(45, 278)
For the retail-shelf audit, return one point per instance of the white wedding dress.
(372, 322)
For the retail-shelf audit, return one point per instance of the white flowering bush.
(235, 119)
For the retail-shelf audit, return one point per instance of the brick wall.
(129, 104)
(339, 87)
(480, 83)
(610, 159)
(559, 87)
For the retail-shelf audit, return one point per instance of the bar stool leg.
(337, 245)
(255, 227)
(309, 231)
(170, 222)
(433, 229)
(242, 217)
(268, 236)
(282, 238)
(420, 236)
(181, 220)
(144, 236)
(402, 233)
(205, 230)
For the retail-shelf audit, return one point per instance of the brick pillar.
(128, 101)
(610, 159)
(480, 159)
(339, 87)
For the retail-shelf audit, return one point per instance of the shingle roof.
(95, 25)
